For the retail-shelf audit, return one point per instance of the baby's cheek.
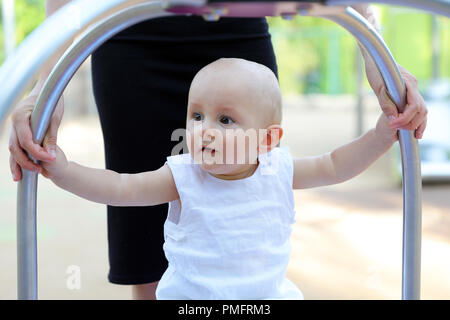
(193, 138)
(240, 146)
(229, 148)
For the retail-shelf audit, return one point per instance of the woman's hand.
(21, 139)
(414, 116)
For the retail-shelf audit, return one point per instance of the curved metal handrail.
(24, 65)
(368, 37)
(94, 35)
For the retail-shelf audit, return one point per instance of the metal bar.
(412, 183)
(26, 237)
(75, 55)
(275, 8)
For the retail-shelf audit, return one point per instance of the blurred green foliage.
(315, 55)
(408, 34)
(28, 14)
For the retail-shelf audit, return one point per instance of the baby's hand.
(54, 169)
(384, 130)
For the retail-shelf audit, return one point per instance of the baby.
(231, 205)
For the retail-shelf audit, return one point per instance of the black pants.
(141, 79)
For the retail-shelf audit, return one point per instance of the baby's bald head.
(253, 83)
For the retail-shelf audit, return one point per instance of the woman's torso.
(194, 29)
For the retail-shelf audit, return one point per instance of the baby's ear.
(270, 138)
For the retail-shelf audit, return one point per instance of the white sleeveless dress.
(231, 239)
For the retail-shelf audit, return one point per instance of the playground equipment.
(94, 22)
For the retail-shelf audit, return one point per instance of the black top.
(194, 28)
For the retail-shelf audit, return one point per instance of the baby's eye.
(227, 120)
(197, 116)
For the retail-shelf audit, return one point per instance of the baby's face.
(224, 121)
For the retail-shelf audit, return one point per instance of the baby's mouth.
(204, 148)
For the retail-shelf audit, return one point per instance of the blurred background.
(347, 239)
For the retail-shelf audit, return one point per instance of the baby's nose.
(209, 133)
(208, 128)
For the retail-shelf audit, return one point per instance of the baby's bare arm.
(148, 188)
(343, 163)
(115, 189)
